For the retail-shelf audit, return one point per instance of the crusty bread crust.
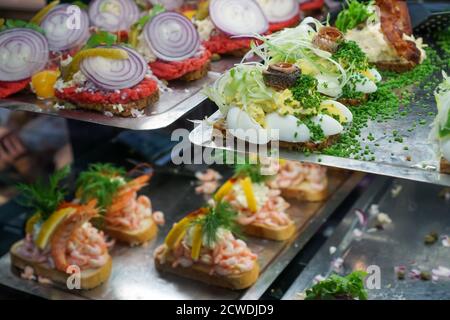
(264, 232)
(197, 74)
(201, 273)
(89, 278)
(106, 107)
(147, 232)
(395, 66)
(300, 146)
(304, 193)
(445, 166)
(353, 102)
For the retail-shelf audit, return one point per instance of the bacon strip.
(395, 22)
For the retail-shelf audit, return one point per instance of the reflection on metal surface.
(418, 163)
(134, 275)
(172, 105)
(415, 212)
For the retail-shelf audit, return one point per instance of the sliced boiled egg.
(289, 128)
(372, 74)
(365, 85)
(328, 85)
(337, 109)
(243, 127)
(329, 125)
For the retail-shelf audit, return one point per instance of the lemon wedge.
(246, 185)
(31, 222)
(177, 233)
(224, 190)
(37, 19)
(50, 225)
(197, 240)
(108, 53)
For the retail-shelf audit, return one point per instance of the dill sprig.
(222, 216)
(44, 197)
(101, 181)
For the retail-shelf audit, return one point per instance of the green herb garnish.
(250, 170)
(351, 57)
(305, 92)
(337, 287)
(139, 25)
(355, 13)
(101, 182)
(101, 38)
(12, 24)
(44, 197)
(221, 216)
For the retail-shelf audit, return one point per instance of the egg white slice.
(243, 127)
(365, 85)
(329, 125)
(337, 108)
(289, 128)
(328, 85)
(376, 74)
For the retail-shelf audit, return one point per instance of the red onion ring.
(172, 37)
(113, 15)
(238, 17)
(110, 74)
(66, 26)
(23, 52)
(279, 10)
(168, 4)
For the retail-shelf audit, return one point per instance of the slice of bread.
(90, 279)
(220, 125)
(197, 74)
(353, 102)
(304, 192)
(202, 273)
(445, 166)
(395, 66)
(126, 109)
(147, 231)
(265, 232)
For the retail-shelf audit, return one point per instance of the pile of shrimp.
(208, 181)
(128, 210)
(293, 173)
(228, 256)
(271, 214)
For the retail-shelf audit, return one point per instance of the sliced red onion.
(279, 10)
(168, 4)
(66, 26)
(113, 15)
(172, 37)
(112, 74)
(238, 17)
(23, 52)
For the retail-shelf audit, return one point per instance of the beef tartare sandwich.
(171, 45)
(441, 126)
(59, 238)
(383, 31)
(226, 27)
(261, 210)
(125, 215)
(281, 14)
(24, 52)
(302, 181)
(115, 16)
(202, 247)
(112, 79)
(262, 104)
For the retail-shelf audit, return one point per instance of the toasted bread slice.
(202, 273)
(396, 66)
(197, 74)
(301, 146)
(127, 107)
(89, 278)
(304, 192)
(276, 234)
(445, 166)
(146, 232)
(354, 102)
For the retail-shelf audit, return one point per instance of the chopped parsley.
(350, 56)
(305, 92)
(337, 287)
(316, 131)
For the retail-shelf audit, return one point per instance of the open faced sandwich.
(60, 239)
(382, 29)
(124, 215)
(202, 247)
(261, 210)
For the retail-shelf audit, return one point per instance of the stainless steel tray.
(134, 275)
(416, 211)
(418, 163)
(172, 105)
